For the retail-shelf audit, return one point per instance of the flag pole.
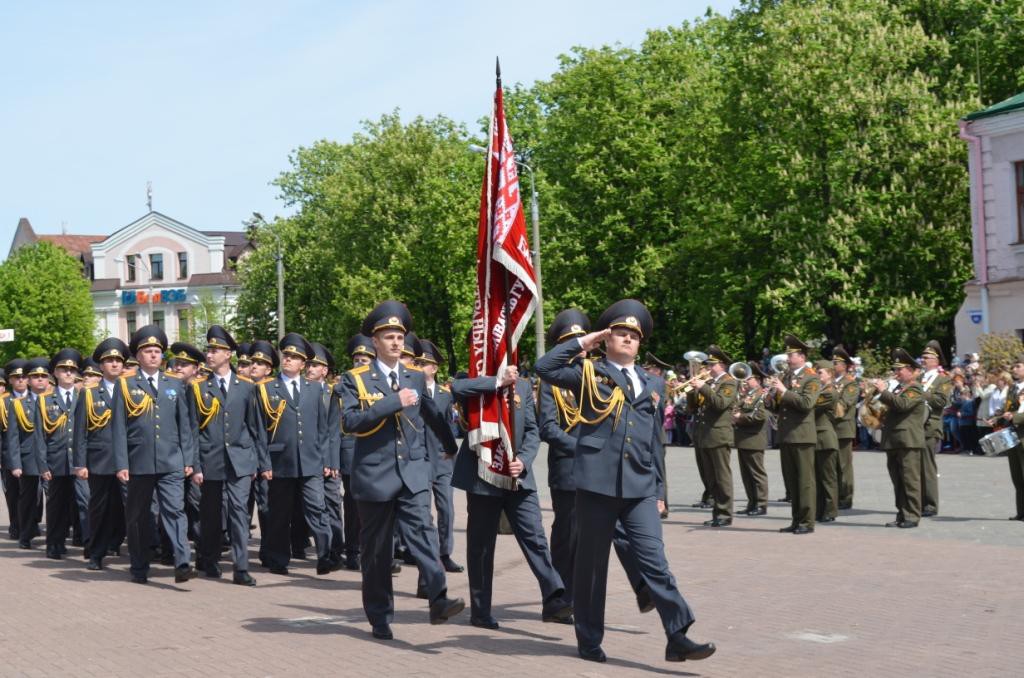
(510, 395)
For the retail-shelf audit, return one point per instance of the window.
(156, 267)
(131, 268)
(130, 318)
(1019, 171)
(158, 319)
(182, 265)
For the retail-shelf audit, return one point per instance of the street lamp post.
(535, 219)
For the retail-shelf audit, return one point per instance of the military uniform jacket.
(749, 429)
(526, 437)
(58, 431)
(824, 411)
(151, 430)
(618, 442)
(227, 427)
(658, 391)
(848, 392)
(94, 446)
(937, 394)
(796, 408)
(293, 436)
(441, 464)
(389, 447)
(901, 428)
(24, 447)
(1015, 404)
(714, 401)
(557, 427)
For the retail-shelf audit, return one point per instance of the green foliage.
(45, 298)
(999, 351)
(209, 310)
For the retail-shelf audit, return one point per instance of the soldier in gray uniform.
(94, 453)
(24, 450)
(386, 406)
(224, 411)
(294, 433)
(319, 367)
(186, 361)
(616, 476)
(57, 411)
(154, 451)
(17, 381)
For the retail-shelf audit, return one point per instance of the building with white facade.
(154, 270)
(995, 296)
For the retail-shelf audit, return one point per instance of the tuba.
(740, 371)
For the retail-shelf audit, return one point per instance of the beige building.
(995, 296)
(154, 270)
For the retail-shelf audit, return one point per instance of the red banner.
(506, 290)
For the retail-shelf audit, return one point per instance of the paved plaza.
(853, 599)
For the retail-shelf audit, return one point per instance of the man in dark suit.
(386, 406)
(616, 476)
(294, 434)
(154, 451)
(441, 464)
(486, 503)
(24, 447)
(57, 411)
(224, 411)
(94, 453)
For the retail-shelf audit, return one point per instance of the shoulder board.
(265, 381)
(87, 388)
(359, 370)
(198, 380)
(414, 368)
(172, 375)
(6, 394)
(244, 378)
(46, 393)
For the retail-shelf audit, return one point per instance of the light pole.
(279, 257)
(138, 260)
(535, 219)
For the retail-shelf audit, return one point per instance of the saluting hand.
(590, 341)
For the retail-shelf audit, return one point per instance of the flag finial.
(497, 71)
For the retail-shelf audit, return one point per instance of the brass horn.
(740, 371)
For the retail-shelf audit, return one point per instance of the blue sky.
(206, 99)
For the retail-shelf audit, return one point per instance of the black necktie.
(295, 390)
(152, 384)
(223, 389)
(393, 378)
(629, 382)
(67, 399)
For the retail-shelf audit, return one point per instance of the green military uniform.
(937, 389)
(1015, 405)
(798, 436)
(902, 440)
(845, 420)
(826, 452)
(713, 435)
(750, 438)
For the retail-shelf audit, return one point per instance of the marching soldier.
(487, 502)
(847, 392)
(616, 476)
(57, 413)
(224, 411)
(18, 382)
(793, 397)
(319, 367)
(750, 439)
(263, 362)
(903, 437)
(94, 457)
(154, 451)
(24, 448)
(294, 433)
(385, 408)
(1014, 416)
(713, 401)
(937, 388)
(185, 363)
(442, 465)
(827, 447)
(91, 372)
(244, 361)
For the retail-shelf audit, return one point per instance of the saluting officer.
(224, 411)
(24, 448)
(94, 453)
(903, 436)
(937, 388)
(57, 412)
(386, 406)
(713, 400)
(793, 396)
(616, 476)
(847, 393)
(154, 451)
(295, 434)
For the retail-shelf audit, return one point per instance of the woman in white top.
(985, 387)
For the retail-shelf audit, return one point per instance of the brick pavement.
(852, 599)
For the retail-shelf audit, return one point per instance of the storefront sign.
(133, 297)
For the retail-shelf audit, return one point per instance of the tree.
(45, 298)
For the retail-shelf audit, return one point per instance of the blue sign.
(133, 297)
(975, 317)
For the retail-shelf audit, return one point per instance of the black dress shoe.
(718, 522)
(54, 555)
(139, 579)
(352, 563)
(895, 523)
(699, 504)
(827, 520)
(396, 567)
(680, 648)
(791, 528)
(595, 654)
(1016, 518)
(446, 608)
(557, 611)
(94, 565)
(484, 622)
(846, 506)
(786, 500)
(800, 529)
(213, 571)
(383, 632)
(906, 525)
(450, 565)
(243, 578)
(929, 514)
(299, 555)
(405, 556)
(327, 565)
(24, 545)
(283, 571)
(644, 600)
(184, 573)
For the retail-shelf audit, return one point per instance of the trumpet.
(685, 387)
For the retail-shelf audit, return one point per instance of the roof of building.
(79, 245)
(1012, 104)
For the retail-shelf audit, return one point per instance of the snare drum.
(999, 442)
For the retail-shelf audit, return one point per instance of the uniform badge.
(912, 394)
(727, 391)
(518, 401)
(172, 394)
